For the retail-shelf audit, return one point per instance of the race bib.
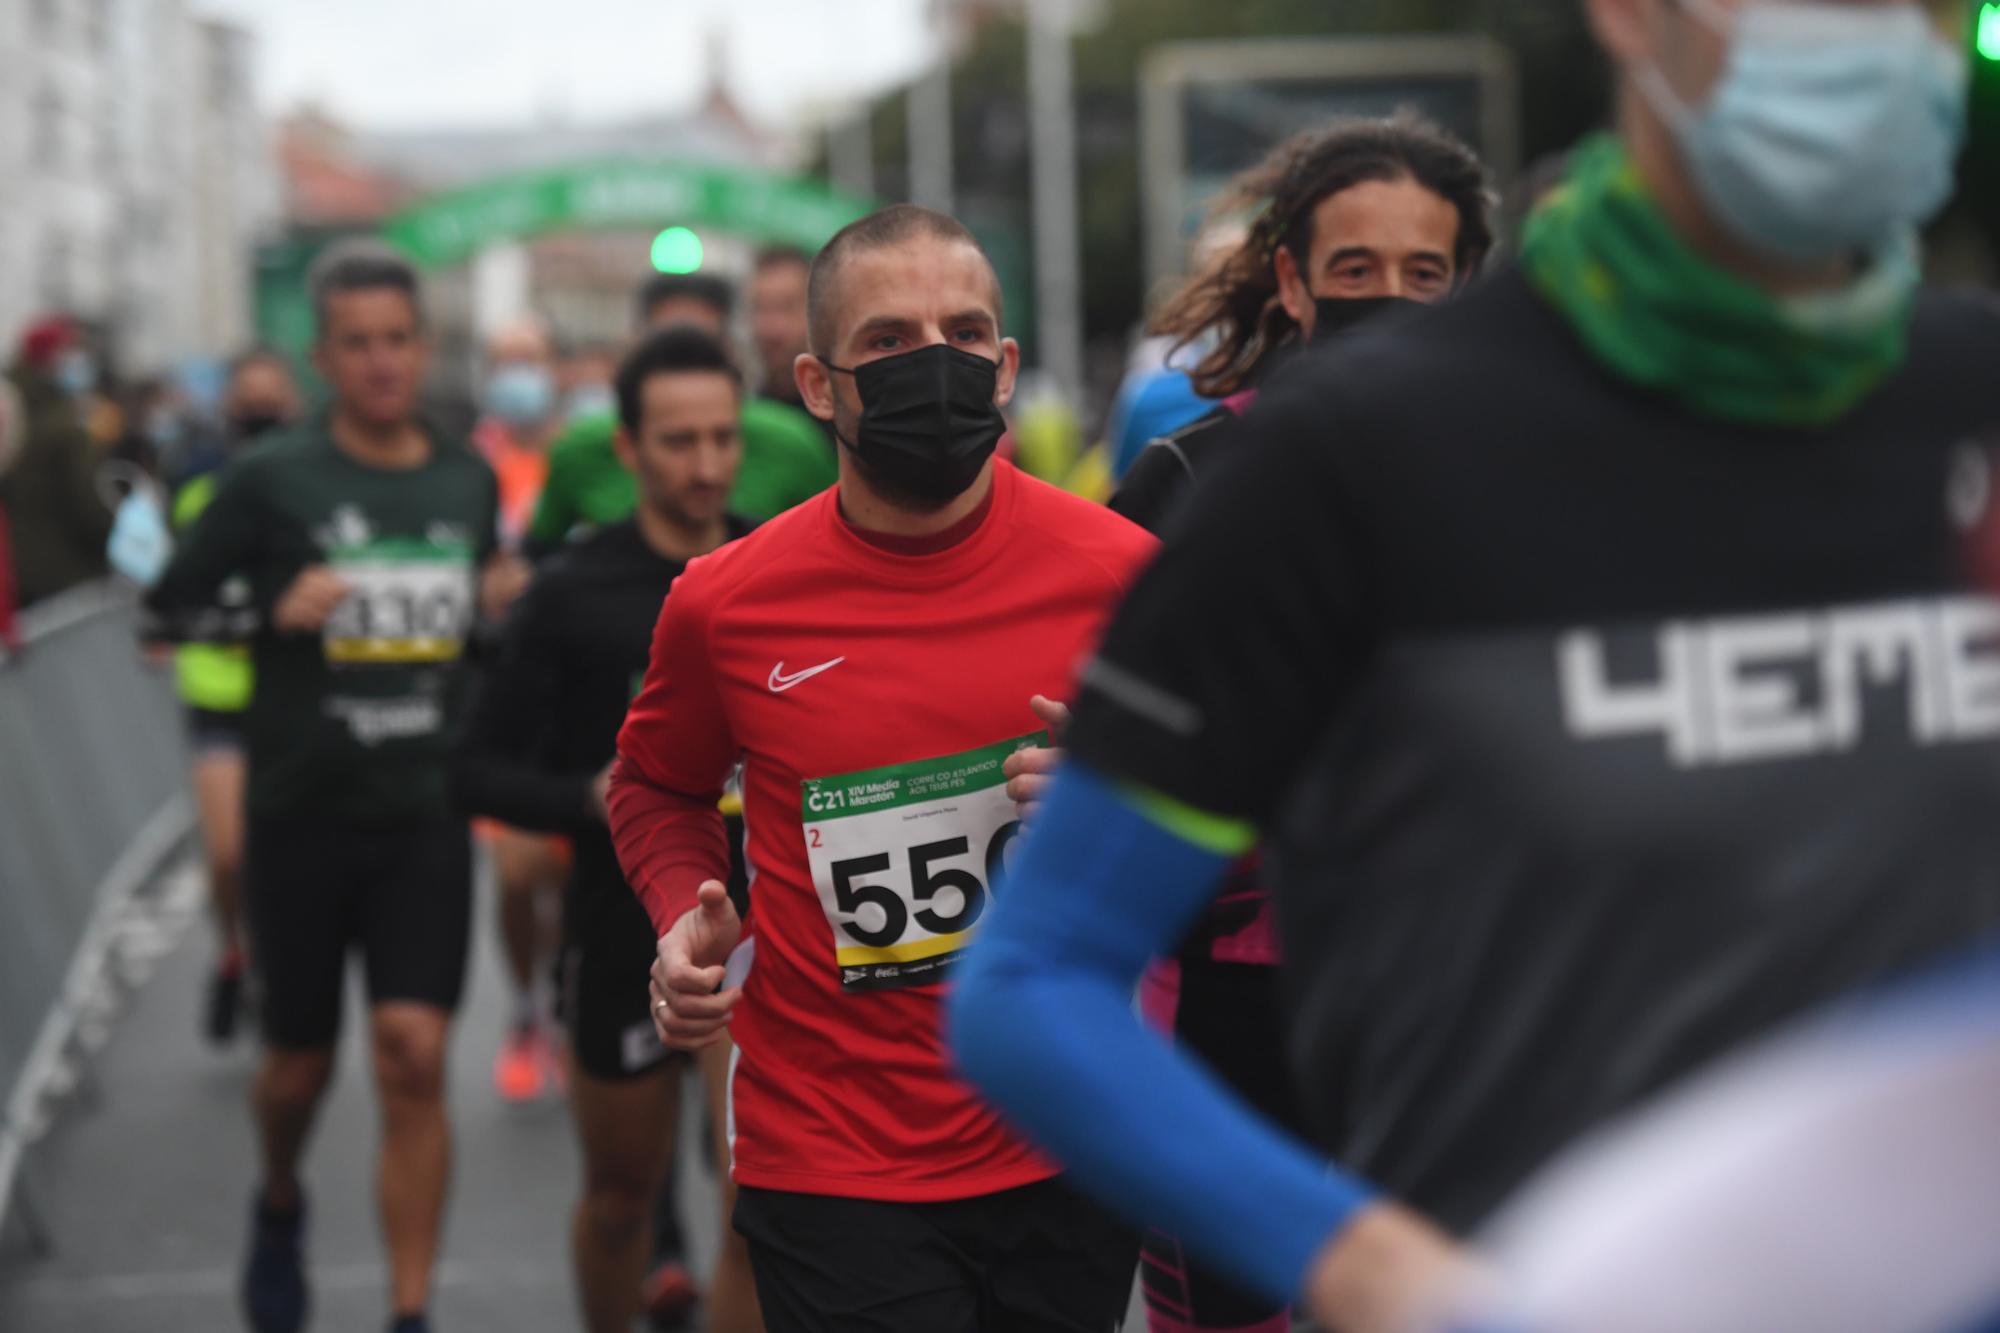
(904, 859)
(407, 603)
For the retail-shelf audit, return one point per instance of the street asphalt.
(145, 1179)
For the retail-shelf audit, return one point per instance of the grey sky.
(396, 64)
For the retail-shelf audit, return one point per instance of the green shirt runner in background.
(785, 461)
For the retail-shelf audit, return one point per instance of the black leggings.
(1228, 1015)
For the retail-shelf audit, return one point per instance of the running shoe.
(521, 1070)
(410, 1323)
(275, 1298)
(670, 1296)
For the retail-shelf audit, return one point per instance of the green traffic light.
(677, 250)
(1987, 42)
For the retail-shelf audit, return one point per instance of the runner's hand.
(304, 607)
(504, 579)
(600, 793)
(688, 1013)
(1391, 1271)
(1029, 772)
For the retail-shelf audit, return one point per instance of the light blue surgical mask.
(521, 395)
(1833, 130)
(140, 544)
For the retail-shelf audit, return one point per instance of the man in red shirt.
(869, 657)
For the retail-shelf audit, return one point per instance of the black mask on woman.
(928, 420)
(1333, 315)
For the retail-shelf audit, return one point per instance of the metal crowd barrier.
(94, 807)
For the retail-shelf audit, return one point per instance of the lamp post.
(1058, 241)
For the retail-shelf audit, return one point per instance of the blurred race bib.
(407, 602)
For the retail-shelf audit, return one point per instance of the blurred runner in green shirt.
(786, 457)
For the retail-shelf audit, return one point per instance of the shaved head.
(890, 228)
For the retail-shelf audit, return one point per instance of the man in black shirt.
(536, 752)
(1596, 655)
(1356, 220)
(1362, 219)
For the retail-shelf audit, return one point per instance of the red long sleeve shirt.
(871, 697)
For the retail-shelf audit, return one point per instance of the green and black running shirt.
(352, 722)
(1590, 735)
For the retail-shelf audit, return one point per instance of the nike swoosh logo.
(780, 682)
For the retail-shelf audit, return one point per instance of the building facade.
(135, 176)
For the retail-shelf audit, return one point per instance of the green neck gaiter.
(1655, 313)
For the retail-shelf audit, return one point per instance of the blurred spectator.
(701, 299)
(520, 416)
(90, 375)
(584, 377)
(778, 325)
(154, 426)
(57, 521)
(1047, 442)
(259, 397)
(262, 397)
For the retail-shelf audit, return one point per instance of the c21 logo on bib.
(904, 859)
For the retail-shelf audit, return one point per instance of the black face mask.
(1333, 316)
(250, 425)
(928, 420)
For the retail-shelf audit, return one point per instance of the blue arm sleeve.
(1042, 1022)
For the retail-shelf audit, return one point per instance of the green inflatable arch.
(628, 194)
(624, 194)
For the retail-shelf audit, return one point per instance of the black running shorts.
(318, 889)
(210, 732)
(609, 945)
(602, 980)
(1039, 1259)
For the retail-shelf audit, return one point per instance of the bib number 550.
(927, 879)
